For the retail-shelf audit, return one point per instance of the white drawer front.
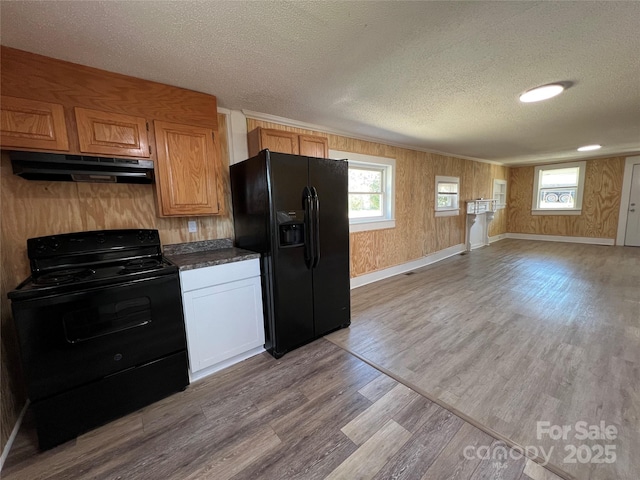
(219, 274)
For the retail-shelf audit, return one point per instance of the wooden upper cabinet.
(313, 146)
(274, 140)
(185, 170)
(107, 133)
(33, 124)
(287, 142)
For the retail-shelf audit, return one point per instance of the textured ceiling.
(440, 76)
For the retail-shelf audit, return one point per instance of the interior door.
(293, 298)
(632, 235)
(331, 289)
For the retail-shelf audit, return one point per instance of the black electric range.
(101, 329)
(69, 262)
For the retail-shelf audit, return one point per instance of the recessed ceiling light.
(542, 93)
(588, 148)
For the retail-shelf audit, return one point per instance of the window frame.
(445, 211)
(499, 182)
(577, 209)
(368, 167)
(388, 168)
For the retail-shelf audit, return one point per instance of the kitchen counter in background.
(207, 253)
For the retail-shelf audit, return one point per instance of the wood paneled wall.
(600, 208)
(32, 209)
(418, 232)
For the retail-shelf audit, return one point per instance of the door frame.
(625, 198)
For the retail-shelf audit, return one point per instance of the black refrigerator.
(293, 210)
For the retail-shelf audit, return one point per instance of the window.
(447, 196)
(558, 189)
(500, 193)
(371, 191)
(366, 191)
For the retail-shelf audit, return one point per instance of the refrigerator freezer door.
(331, 289)
(292, 285)
(250, 190)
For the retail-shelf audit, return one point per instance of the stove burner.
(140, 265)
(64, 276)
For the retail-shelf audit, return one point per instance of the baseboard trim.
(560, 238)
(12, 437)
(497, 238)
(368, 278)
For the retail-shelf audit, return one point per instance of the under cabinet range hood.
(80, 168)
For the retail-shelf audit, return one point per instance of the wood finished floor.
(516, 333)
(319, 412)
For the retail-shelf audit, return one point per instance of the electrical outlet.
(193, 226)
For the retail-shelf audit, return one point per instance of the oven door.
(76, 338)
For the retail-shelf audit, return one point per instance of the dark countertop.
(201, 246)
(206, 253)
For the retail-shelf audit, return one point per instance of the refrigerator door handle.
(307, 204)
(316, 226)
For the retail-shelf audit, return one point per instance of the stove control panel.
(145, 236)
(91, 242)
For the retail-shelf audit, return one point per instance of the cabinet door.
(115, 134)
(223, 321)
(279, 141)
(313, 146)
(33, 124)
(186, 170)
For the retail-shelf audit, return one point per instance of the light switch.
(193, 226)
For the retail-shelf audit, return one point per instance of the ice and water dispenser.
(291, 228)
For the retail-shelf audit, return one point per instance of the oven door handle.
(109, 331)
(82, 325)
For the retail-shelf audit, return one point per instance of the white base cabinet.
(223, 315)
